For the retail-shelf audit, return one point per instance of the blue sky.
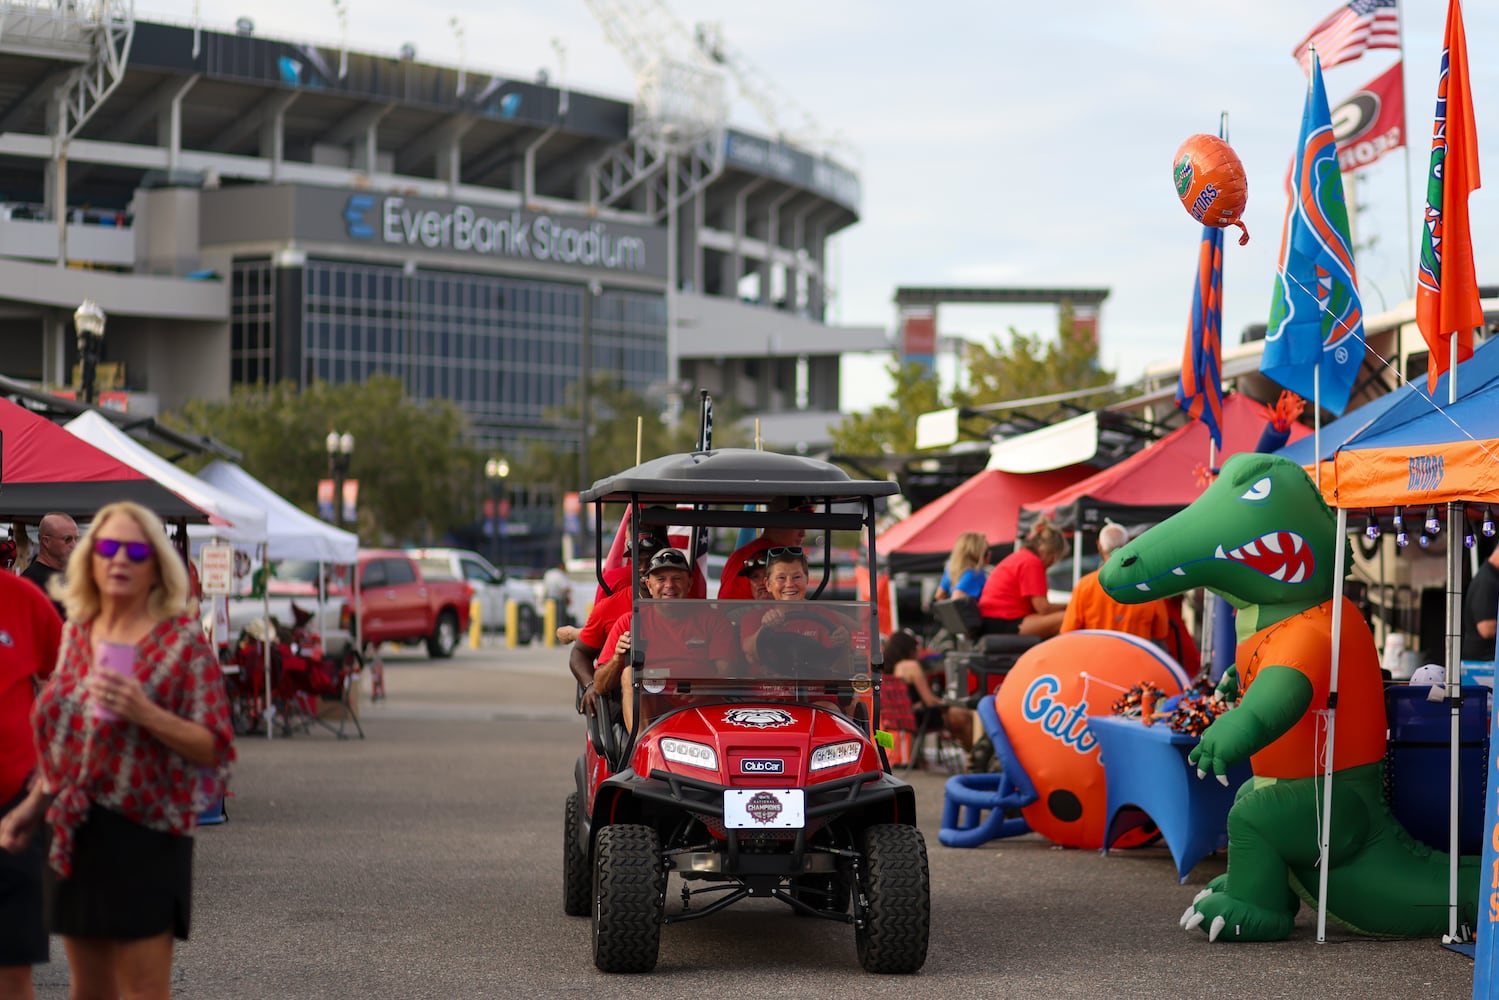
(1006, 143)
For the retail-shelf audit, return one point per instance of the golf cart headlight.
(836, 755)
(695, 754)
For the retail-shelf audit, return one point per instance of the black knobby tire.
(628, 882)
(895, 900)
(444, 637)
(577, 879)
(525, 625)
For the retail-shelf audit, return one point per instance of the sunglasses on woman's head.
(106, 548)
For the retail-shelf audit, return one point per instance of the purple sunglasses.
(134, 551)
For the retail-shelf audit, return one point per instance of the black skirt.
(128, 882)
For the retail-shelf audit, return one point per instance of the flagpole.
(1454, 663)
(1405, 137)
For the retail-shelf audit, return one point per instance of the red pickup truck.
(397, 605)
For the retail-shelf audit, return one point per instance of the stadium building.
(247, 210)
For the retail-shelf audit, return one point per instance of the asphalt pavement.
(424, 862)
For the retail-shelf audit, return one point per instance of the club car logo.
(762, 765)
(758, 718)
(764, 807)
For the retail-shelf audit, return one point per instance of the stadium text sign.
(395, 220)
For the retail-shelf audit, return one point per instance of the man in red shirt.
(30, 633)
(697, 637)
(595, 631)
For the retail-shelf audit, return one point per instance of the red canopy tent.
(988, 502)
(1158, 480)
(43, 468)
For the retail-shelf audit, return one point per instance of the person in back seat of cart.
(696, 636)
(732, 586)
(595, 631)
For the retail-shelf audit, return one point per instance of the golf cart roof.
(735, 475)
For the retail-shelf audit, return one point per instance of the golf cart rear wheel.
(628, 883)
(895, 906)
(577, 880)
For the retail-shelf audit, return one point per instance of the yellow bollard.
(475, 624)
(549, 623)
(512, 623)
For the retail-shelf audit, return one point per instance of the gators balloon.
(1262, 537)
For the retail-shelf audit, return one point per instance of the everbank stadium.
(248, 209)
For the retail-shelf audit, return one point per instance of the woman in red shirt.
(1014, 599)
(134, 738)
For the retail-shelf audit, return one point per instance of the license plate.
(764, 808)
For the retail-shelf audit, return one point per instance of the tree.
(891, 428)
(416, 475)
(1025, 367)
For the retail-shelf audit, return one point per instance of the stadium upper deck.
(248, 209)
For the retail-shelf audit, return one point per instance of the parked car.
(493, 587)
(399, 603)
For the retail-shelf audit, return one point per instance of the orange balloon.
(1210, 182)
(1044, 704)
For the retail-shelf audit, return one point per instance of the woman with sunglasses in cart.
(134, 739)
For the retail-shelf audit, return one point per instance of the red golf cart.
(757, 775)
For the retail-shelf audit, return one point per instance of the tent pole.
(1324, 834)
(1456, 532)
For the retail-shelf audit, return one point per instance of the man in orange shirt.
(1091, 607)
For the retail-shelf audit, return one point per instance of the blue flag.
(1199, 390)
(1316, 318)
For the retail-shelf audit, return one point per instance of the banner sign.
(1371, 122)
(216, 568)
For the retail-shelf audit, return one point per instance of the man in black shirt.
(1480, 610)
(57, 536)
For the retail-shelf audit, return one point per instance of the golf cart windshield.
(689, 652)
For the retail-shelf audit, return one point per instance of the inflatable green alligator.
(1262, 537)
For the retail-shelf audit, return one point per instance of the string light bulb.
(1399, 518)
(1488, 522)
(1433, 520)
(1371, 526)
(1424, 539)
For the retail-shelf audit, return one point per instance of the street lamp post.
(88, 320)
(496, 471)
(340, 452)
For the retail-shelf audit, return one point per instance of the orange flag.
(1447, 294)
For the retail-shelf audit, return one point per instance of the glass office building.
(506, 350)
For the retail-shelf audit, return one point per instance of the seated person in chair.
(698, 634)
(1014, 600)
(900, 661)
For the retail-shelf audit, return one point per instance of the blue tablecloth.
(1149, 779)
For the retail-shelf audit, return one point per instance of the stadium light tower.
(341, 9)
(457, 26)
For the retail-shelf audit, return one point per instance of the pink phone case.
(118, 657)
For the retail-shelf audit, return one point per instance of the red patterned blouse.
(118, 764)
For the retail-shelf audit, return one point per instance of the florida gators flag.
(1447, 290)
(1199, 391)
(1316, 326)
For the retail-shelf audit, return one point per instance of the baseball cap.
(667, 559)
(648, 543)
(753, 564)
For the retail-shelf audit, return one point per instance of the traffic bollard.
(512, 623)
(549, 623)
(475, 624)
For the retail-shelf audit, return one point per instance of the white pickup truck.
(491, 586)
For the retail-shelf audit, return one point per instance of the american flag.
(1343, 37)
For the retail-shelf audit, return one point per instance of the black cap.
(648, 543)
(753, 563)
(667, 559)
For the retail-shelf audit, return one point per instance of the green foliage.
(1025, 367)
(890, 428)
(416, 475)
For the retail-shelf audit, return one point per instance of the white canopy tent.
(235, 520)
(293, 533)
